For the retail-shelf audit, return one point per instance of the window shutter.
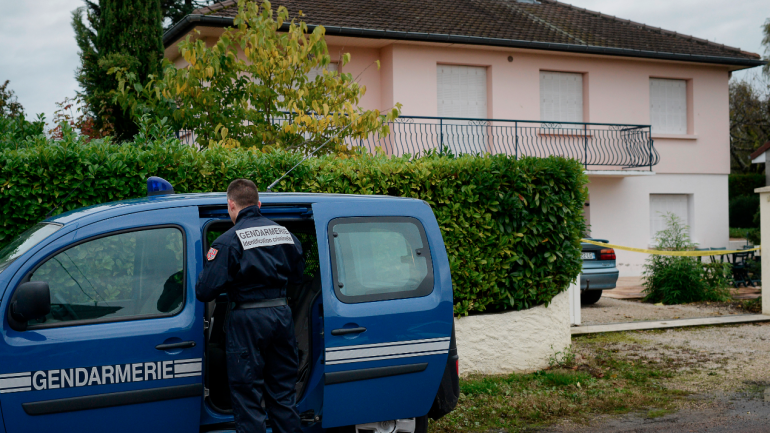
(316, 71)
(660, 205)
(668, 106)
(462, 91)
(561, 97)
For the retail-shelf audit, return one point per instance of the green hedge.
(511, 228)
(742, 211)
(744, 184)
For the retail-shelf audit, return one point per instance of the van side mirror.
(30, 301)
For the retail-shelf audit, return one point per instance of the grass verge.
(594, 380)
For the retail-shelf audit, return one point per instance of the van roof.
(117, 208)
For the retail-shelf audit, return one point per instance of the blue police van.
(101, 330)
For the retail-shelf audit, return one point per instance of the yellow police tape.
(671, 253)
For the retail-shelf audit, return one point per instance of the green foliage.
(738, 233)
(9, 103)
(742, 211)
(14, 130)
(236, 92)
(175, 10)
(744, 184)
(111, 34)
(679, 279)
(511, 228)
(754, 237)
(749, 120)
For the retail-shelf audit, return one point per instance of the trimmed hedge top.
(511, 227)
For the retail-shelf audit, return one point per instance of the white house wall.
(620, 211)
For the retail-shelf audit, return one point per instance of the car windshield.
(24, 242)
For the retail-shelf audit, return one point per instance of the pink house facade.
(646, 110)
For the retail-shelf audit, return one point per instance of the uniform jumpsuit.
(261, 349)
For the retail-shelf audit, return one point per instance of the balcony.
(598, 146)
(593, 144)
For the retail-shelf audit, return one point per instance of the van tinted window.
(25, 242)
(381, 258)
(122, 276)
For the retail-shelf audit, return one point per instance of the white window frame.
(561, 97)
(668, 106)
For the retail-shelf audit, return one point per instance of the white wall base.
(515, 341)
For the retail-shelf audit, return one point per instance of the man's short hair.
(243, 192)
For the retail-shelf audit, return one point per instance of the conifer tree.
(123, 33)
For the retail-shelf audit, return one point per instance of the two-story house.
(645, 109)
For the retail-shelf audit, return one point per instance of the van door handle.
(346, 331)
(172, 346)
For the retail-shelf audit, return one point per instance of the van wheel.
(590, 297)
(409, 425)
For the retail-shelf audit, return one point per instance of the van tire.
(420, 426)
(590, 297)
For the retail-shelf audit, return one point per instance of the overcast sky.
(39, 54)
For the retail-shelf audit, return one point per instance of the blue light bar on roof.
(158, 186)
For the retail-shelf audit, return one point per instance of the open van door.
(387, 298)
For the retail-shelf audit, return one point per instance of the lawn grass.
(738, 233)
(574, 387)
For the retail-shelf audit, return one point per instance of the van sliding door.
(387, 309)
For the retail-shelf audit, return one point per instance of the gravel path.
(726, 369)
(609, 310)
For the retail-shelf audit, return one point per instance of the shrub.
(681, 279)
(744, 184)
(742, 210)
(511, 227)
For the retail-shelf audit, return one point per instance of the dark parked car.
(599, 272)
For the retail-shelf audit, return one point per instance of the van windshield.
(25, 241)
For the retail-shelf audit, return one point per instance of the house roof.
(762, 149)
(548, 25)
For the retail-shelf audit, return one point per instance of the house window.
(462, 92)
(561, 97)
(668, 106)
(663, 204)
(318, 70)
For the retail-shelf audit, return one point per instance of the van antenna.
(308, 156)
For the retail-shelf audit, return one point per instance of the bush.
(742, 211)
(744, 184)
(511, 227)
(681, 279)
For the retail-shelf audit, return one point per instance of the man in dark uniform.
(253, 262)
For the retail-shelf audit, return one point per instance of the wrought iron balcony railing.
(593, 144)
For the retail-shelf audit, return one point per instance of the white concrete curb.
(679, 323)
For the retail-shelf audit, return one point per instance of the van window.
(25, 242)
(382, 258)
(118, 277)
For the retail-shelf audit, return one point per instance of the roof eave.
(191, 21)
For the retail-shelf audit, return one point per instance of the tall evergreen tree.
(125, 33)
